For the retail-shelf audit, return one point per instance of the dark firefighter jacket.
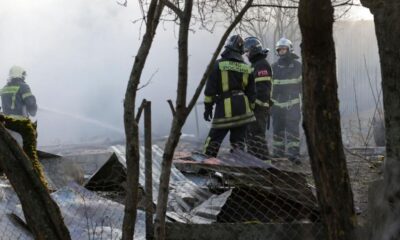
(286, 82)
(231, 88)
(262, 74)
(17, 99)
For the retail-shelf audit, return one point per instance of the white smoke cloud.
(78, 56)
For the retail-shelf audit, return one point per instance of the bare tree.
(154, 15)
(208, 14)
(182, 107)
(131, 126)
(322, 119)
(269, 20)
(41, 212)
(386, 17)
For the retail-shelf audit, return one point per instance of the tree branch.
(140, 110)
(345, 3)
(171, 106)
(124, 4)
(148, 81)
(173, 7)
(215, 55)
(273, 5)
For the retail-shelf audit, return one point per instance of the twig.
(174, 8)
(148, 81)
(346, 3)
(171, 106)
(274, 6)
(376, 100)
(210, 65)
(142, 9)
(360, 156)
(124, 4)
(376, 108)
(357, 111)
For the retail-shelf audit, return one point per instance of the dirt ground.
(362, 170)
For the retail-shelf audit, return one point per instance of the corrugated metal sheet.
(77, 167)
(87, 215)
(9, 205)
(183, 195)
(274, 192)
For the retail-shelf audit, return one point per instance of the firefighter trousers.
(217, 135)
(256, 141)
(285, 123)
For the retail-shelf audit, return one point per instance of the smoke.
(78, 56)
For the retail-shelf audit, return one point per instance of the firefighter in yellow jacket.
(16, 96)
(17, 100)
(231, 89)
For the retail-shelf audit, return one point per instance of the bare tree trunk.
(387, 18)
(182, 111)
(178, 120)
(131, 126)
(41, 213)
(322, 119)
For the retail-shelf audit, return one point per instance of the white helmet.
(17, 72)
(284, 42)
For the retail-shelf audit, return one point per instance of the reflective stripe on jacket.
(231, 88)
(286, 84)
(17, 99)
(263, 78)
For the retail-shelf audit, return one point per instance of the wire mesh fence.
(238, 186)
(247, 189)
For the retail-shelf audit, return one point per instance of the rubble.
(234, 188)
(184, 194)
(246, 179)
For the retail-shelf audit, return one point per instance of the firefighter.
(231, 89)
(286, 97)
(17, 100)
(16, 96)
(18, 103)
(256, 141)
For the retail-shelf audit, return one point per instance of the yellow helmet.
(17, 72)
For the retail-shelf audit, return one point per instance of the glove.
(208, 113)
(271, 103)
(252, 106)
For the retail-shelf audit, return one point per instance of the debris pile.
(90, 185)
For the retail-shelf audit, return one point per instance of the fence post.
(148, 171)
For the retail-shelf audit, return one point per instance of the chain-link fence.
(241, 190)
(253, 188)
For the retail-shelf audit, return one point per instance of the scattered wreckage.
(236, 188)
